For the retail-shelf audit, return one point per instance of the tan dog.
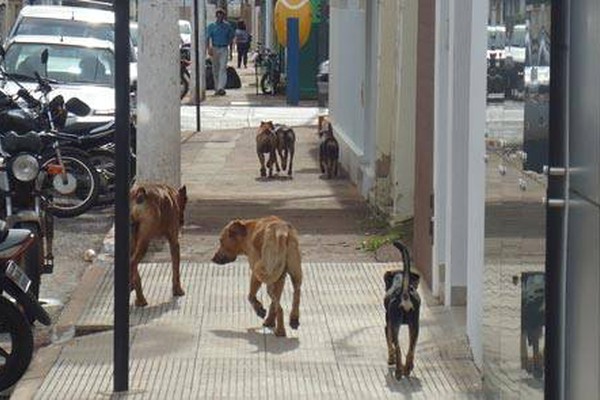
(156, 211)
(271, 246)
(266, 143)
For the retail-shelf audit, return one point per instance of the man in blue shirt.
(219, 36)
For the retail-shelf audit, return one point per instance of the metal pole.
(293, 61)
(121, 319)
(197, 64)
(269, 24)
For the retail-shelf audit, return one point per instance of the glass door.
(518, 87)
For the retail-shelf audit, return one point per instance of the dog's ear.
(140, 195)
(237, 229)
(183, 193)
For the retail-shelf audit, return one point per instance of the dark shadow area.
(210, 216)
(407, 385)
(257, 337)
(150, 313)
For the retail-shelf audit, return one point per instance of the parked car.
(323, 84)
(77, 67)
(496, 58)
(185, 31)
(63, 21)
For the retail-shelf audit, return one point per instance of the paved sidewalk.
(210, 345)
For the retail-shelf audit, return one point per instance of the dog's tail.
(406, 302)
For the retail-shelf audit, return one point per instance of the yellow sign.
(300, 9)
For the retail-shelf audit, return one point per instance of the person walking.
(242, 41)
(219, 36)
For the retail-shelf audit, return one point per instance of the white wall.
(347, 91)
(441, 119)
(459, 157)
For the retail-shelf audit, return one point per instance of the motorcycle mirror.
(45, 56)
(77, 107)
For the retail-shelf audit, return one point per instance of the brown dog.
(266, 143)
(156, 211)
(271, 246)
(286, 145)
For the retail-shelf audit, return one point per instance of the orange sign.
(300, 9)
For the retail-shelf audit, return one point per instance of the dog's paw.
(408, 367)
(279, 332)
(294, 323)
(398, 374)
(178, 292)
(261, 312)
(141, 302)
(269, 324)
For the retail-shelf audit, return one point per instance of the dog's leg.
(272, 160)
(283, 155)
(256, 305)
(275, 316)
(175, 260)
(291, 155)
(398, 352)
(413, 332)
(390, 344)
(261, 159)
(296, 277)
(140, 248)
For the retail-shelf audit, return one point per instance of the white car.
(77, 67)
(64, 21)
(185, 31)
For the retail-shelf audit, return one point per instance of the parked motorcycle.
(184, 68)
(270, 82)
(75, 189)
(18, 307)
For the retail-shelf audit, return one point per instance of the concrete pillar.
(465, 169)
(269, 24)
(158, 135)
(201, 50)
(443, 73)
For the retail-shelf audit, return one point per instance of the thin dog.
(266, 143)
(286, 144)
(329, 151)
(402, 307)
(271, 245)
(156, 211)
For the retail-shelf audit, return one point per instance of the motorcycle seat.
(86, 128)
(13, 241)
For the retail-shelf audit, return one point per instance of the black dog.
(329, 152)
(286, 144)
(402, 306)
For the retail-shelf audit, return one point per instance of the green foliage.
(401, 231)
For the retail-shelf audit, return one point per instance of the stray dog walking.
(156, 210)
(271, 245)
(329, 151)
(402, 307)
(266, 143)
(286, 145)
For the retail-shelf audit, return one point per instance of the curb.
(45, 357)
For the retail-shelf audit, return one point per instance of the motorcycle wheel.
(81, 191)
(16, 344)
(267, 85)
(34, 257)
(104, 162)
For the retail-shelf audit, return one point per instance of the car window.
(518, 37)
(68, 64)
(60, 27)
(185, 28)
(496, 39)
(133, 32)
